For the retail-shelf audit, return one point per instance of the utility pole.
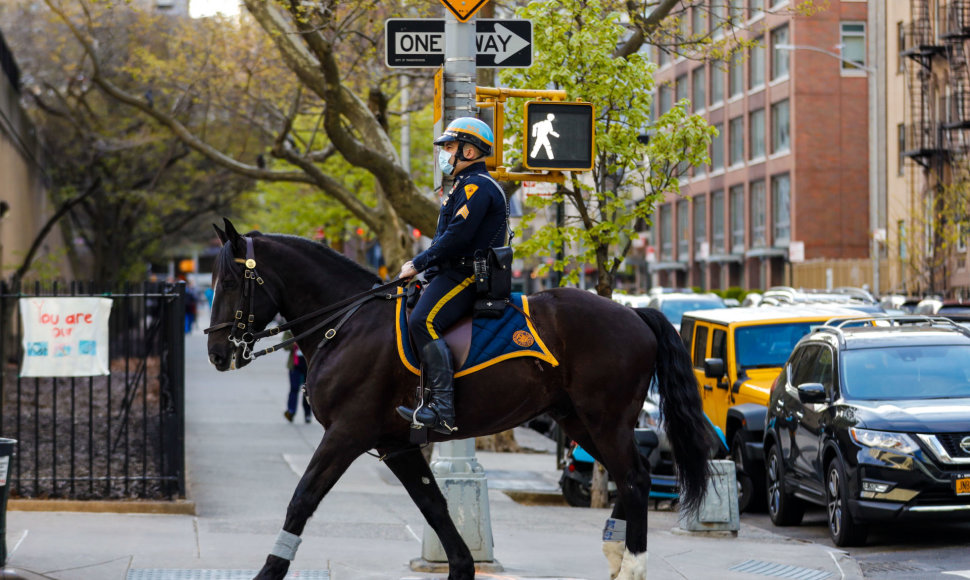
(456, 470)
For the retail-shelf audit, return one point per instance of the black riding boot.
(439, 412)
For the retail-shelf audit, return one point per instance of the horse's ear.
(222, 235)
(231, 233)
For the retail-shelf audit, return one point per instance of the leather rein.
(244, 323)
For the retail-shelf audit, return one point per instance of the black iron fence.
(115, 436)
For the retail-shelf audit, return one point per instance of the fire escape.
(956, 125)
(937, 132)
(923, 137)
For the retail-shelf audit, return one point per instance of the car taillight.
(572, 467)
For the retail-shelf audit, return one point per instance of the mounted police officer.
(473, 217)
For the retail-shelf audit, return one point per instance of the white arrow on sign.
(503, 43)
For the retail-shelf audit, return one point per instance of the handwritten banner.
(65, 337)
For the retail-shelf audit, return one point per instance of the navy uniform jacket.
(472, 218)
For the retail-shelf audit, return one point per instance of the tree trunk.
(599, 495)
(502, 442)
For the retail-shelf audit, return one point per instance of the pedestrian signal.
(558, 136)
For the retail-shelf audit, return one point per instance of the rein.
(342, 310)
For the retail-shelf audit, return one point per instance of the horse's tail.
(680, 406)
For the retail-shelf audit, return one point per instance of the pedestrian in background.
(296, 363)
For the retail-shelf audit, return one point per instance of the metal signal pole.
(457, 471)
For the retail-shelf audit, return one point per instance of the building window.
(699, 81)
(717, 84)
(736, 75)
(901, 234)
(736, 141)
(737, 219)
(963, 231)
(853, 40)
(901, 143)
(666, 232)
(900, 47)
(756, 131)
(666, 101)
(757, 219)
(779, 58)
(717, 148)
(755, 8)
(717, 222)
(698, 26)
(781, 209)
(756, 64)
(663, 58)
(683, 231)
(779, 127)
(700, 224)
(736, 11)
(682, 88)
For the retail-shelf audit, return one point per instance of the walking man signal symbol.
(558, 136)
(541, 131)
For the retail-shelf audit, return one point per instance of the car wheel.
(574, 492)
(842, 528)
(783, 508)
(751, 494)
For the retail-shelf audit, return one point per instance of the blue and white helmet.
(469, 130)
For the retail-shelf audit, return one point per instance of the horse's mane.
(320, 252)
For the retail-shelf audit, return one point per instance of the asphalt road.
(925, 551)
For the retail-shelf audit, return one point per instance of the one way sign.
(421, 42)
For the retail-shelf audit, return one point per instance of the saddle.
(476, 342)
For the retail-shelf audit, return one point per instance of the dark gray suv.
(871, 418)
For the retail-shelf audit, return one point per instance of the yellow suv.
(737, 354)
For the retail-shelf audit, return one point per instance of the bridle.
(245, 323)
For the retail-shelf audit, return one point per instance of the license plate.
(963, 486)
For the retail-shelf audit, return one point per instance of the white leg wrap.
(286, 545)
(614, 556)
(634, 566)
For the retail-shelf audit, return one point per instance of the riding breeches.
(447, 298)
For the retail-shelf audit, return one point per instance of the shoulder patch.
(463, 212)
(470, 190)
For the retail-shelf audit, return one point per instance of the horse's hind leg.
(410, 467)
(625, 545)
(331, 459)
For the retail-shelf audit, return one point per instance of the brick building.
(789, 169)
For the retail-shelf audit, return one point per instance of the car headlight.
(898, 442)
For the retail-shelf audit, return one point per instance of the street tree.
(124, 191)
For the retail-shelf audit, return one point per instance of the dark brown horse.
(608, 354)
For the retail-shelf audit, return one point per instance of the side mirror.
(713, 368)
(811, 393)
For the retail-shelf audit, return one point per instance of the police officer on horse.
(473, 217)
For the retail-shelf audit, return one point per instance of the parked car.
(872, 422)
(737, 353)
(955, 310)
(855, 298)
(673, 306)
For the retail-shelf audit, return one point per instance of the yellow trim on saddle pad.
(520, 337)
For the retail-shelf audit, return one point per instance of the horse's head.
(242, 304)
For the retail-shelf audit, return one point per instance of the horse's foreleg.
(329, 462)
(415, 474)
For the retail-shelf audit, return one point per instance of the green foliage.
(575, 43)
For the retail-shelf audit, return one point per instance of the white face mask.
(444, 162)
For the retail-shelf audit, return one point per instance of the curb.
(177, 507)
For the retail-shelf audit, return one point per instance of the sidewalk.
(244, 460)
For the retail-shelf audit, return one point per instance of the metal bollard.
(6, 452)
(719, 510)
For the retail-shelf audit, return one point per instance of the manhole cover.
(172, 574)
(776, 570)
